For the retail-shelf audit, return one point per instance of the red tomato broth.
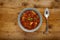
(30, 19)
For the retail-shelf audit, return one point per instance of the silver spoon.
(46, 14)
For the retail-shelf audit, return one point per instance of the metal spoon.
(46, 14)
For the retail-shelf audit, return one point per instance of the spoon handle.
(46, 25)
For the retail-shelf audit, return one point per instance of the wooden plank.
(30, 3)
(9, 10)
(9, 28)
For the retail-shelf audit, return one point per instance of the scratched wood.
(9, 11)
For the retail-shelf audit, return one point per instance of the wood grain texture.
(30, 3)
(9, 11)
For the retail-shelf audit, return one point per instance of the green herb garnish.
(30, 19)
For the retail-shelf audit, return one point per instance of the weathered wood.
(9, 29)
(30, 3)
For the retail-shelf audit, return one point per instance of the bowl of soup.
(29, 19)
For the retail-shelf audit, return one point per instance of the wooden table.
(9, 29)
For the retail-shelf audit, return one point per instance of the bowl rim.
(19, 22)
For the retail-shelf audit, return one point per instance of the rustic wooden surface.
(9, 10)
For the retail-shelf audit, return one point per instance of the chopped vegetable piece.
(31, 23)
(33, 12)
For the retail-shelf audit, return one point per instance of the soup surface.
(30, 19)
